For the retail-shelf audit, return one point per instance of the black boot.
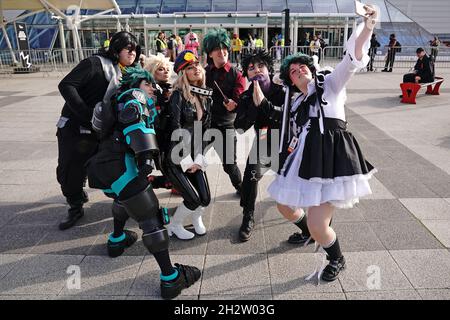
(337, 262)
(187, 276)
(238, 189)
(75, 213)
(248, 223)
(301, 238)
(116, 249)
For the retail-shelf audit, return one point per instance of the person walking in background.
(392, 50)
(161, 44)
(236, 47)
(374, 44)
(435, 43)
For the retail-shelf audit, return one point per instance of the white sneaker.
(198, 222)
(176, 225)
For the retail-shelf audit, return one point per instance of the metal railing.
(63, 60)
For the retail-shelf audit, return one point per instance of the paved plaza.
(396, 241)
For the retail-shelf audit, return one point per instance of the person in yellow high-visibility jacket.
(259, 44)
(236, 47)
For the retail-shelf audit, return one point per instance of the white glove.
(372, 15)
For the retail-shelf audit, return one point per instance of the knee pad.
(142, 206)
(157, 240)
(119, 212)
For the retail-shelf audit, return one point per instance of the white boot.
(176, 225)
(198, 222)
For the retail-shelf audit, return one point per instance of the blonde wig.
(152, 63)
(182, 84)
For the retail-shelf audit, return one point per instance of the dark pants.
(228, 158)
(409, 77)
(372, 54)
(252, 175)
(74, 149)
(390, 59)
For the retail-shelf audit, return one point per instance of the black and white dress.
(326, 164)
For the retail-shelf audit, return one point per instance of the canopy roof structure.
(58, 8)
(35, 5)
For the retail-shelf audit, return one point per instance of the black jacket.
(424, 69)
(82, 88)
(268, 114)
(182, 115)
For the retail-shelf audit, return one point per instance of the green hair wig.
(300, 58)
(133, 76)
(216, 38)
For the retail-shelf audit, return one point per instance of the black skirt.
(335, 153)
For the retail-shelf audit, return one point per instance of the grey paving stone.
(106, 276)
(357, 236)
(428, 209)
(28, 297)
(232, 297)
(39, 274)
(288, 273)
(147, 282)
(74, 241)
(434, 294)
(354, 214)
(223, 238)
(384, 210)
(425, 269)
(21, 239)
(8, 211)
(73, 297)
(379, 191)
(401, 235)
(440, 229)
(180, 297)
(12, 100)
(310, 296)
(38, 214)
(9, 262)
(370, 271)
(384, 295)
(236, 275)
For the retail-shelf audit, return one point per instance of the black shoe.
(248, 223)
(400, 96)
(116, 249)
(390, 70)
(300, 239)
(75, 214)
(188, 275)
(331, 271)
(384, 70)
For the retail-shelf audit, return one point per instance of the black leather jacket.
(182, 115)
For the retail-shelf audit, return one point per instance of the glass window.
(198, 5)
(346, 6)
(127, 6)
(224, 5)
(274, 5)
(383, 11)
(149, 6)
(324, 6)
(303, 6)
(171, 6)
(396, 15)
(249, 6)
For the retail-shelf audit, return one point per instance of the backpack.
(398, 47)
(322, 43)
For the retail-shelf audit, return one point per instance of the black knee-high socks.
(302, 225)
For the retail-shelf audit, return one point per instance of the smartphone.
(360, 9)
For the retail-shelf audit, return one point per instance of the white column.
(62, 41)
(345, 31)
(295, 40)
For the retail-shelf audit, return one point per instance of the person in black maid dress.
(322, 166)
